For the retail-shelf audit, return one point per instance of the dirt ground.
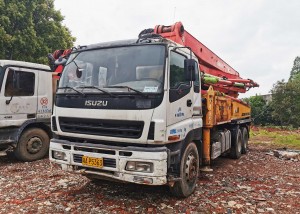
(256, 183)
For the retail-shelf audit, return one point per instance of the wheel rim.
(191, 168)
(34, 145)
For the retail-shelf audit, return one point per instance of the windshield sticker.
(150, 89)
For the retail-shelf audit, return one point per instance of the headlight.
(130, 166)
(139, 166)
(59, 155)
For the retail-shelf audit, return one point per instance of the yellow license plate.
(90, 161)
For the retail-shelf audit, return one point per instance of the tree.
(260, 111)
(30, 29)
(284, 109)
(296, 68)
(286, 98)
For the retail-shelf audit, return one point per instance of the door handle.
(189, 103)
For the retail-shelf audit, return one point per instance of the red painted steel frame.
(209, 62)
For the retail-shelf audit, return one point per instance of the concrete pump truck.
(153, 110)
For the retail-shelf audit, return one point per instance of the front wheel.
(189, 170)
(33, 145)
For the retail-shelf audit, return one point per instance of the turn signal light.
(174, 137)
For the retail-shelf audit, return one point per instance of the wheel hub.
(191, 168)
(34, 145)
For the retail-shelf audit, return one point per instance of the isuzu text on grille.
(95, 103)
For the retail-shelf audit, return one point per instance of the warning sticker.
(44, 101)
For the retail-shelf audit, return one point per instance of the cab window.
(177, 76)
(19, 83)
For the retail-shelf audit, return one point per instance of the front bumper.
(114, 161)
(8, 137)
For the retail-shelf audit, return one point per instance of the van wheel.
(245, 139)
(236, 143)
(189, 171)
(33, 145)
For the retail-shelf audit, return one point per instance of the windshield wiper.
(99, 89)
(68, 87)
(129, 89)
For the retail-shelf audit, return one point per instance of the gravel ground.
(256, 183)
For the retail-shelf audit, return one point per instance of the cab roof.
(24, 64)
(120, 43)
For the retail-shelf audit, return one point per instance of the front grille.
(111, 128)
(107, 162)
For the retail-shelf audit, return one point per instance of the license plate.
(90, 161)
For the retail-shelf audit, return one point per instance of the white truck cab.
(138, 111)
(26, 97)
(124, 111)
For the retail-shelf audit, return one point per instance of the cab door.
(184, 106)
(18, 100)
(180, 105)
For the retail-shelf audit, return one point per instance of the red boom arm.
(209, 62)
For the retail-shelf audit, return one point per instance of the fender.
(11, 135)
(176, 150)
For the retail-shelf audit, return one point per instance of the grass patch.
(279, 138)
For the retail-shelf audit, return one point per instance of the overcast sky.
(259, 38)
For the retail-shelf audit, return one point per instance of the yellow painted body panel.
(220, 109)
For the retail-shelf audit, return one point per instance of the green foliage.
(284, 109)
(30, 29)
(286, 101)
(295, 72)
(260, 111)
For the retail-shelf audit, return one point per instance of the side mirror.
(79, 72)
(189, 69)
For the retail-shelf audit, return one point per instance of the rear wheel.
(236, 143)
(33, 145)
(245, 139)
(189, 170)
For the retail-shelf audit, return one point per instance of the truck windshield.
(131, 69)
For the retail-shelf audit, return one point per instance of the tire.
(33, 145)
(236, 143)
(189, 171)
(245, 139)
